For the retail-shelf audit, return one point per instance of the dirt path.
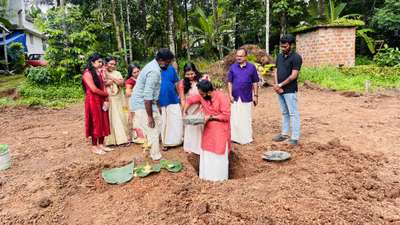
(345, 171)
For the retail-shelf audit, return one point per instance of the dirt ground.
(346, 170)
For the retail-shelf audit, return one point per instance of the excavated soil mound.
(220, 68)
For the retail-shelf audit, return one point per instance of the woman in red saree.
(97, 124)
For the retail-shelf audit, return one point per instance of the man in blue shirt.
(171, 116)
(144, 100)
(243, 90)
(288, 64)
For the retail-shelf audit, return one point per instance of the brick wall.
(327, 46)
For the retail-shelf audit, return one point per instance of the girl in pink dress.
(187, 88)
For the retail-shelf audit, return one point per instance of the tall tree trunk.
(283, 23)
(171, 32)
(142, 9)
(61, 3)
(129, 31)
(117, 31)
(101, 10)
(321, 9)
(267, 27)
(121, 13)
(237, 25)
(187, 31)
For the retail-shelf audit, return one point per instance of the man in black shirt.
(288, 64)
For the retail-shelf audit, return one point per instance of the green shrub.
(3, 65)
(51, 92)
(388, 57)
(5, 101)
(17, 56)
(252, 58)
(352, 78)
(218, 82)
(363, 60)
(39, 75)
(371, 70)
(203, 65)
(50, 95)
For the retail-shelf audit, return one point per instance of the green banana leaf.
(144, 170)
(172, 166)
(119, 175)
(3, 148)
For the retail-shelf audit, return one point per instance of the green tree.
(287, 10)
(3, 7)
(71, 38)
(17, 57)
(387, 22)
(205, 34)
(249, 28)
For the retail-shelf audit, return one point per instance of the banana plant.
(205, 34)
(363, 33)
(7, 23)
(334, 11)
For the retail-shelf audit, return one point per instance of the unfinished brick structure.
(327, 45)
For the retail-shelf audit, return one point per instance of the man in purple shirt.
(243, 90)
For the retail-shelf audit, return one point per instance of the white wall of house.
(34, 44)
(16, 6)
(34, 40)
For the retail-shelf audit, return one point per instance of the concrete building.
(25, 31)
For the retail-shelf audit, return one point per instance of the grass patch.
(352, 79)
(11, 82)
(54, 96)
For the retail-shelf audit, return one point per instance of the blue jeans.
(290, 114)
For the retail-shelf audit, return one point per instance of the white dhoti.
(152, 134)
(172, 125)
(214, 167)
(241, 122)
(193, 134)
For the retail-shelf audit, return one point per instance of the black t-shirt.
(285, 65)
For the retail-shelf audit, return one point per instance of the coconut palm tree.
(206, 34)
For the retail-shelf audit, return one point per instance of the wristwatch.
(280, 84)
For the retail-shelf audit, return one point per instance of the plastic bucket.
(5, 161)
